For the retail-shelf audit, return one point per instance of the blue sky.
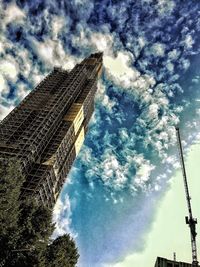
(150, 84)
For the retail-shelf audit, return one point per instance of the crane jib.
(188, 219)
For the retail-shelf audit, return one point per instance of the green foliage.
(62, 252)
(35, 223)
(36, 227)
(11, 181)
(26, 227)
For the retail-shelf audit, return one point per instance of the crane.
(188, 219)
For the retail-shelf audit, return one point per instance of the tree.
(11, 180)
(62, 252)
(36, 227)
(36, 223)
(26, 227)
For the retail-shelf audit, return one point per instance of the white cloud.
(21, 91)
(124, 135)
(153, 111)
(52, 53)
(57, 24)
(170, 67)
(102, 42)
(119, 70)
(9, 68)
(142, 42)
(119, 67)
(61, 216)
(3, 85)
(188, 41)
(13, 13)
(158, 49)
(165, 7)
(36, 77)
(4, 111)
(185, 63)
(174, 54)
(102, 98)
(143, 173)
(24, 61)
(95, 41)
(1, 47)
(113, 174)
(45, 50)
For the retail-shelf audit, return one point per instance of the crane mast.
(188, 219)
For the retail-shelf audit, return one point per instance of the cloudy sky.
(118, 197)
